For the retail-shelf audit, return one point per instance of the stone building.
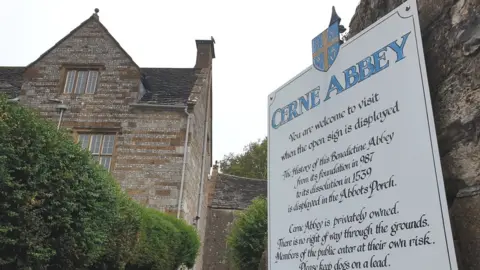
(227, 194)
(151, 127)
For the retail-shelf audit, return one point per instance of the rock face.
(451, 40)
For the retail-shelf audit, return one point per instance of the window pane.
(97, 158)
(81, 82)
(108, 142)
(92, 82)
(105, 161)
(95, 144)
(70, 80)
(83, 139)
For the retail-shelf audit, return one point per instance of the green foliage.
(252, 163)
(55, 203)
(189, 242)
(247, 239)
(165, 243)
(62, 210)
(157, 244)
(123, 233)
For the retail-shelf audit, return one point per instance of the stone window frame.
(75, 67)
(77, 132)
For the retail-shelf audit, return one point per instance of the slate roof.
(167, 86)
(233, 192)
(11, 79)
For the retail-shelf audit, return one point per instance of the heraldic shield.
(325, 47)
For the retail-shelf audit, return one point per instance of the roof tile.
(11, 79)
(234, 192)
(168, 86)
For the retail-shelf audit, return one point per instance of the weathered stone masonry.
(145, 108)
(227, 194)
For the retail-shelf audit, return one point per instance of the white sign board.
(354, 173)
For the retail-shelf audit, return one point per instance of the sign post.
(354, 173)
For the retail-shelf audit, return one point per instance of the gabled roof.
(11, 79)
(93, 17)
(164, 86)
(167, 86)
(234, 192)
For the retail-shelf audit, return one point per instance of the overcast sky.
(259, 45)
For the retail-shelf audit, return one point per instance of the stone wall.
(199, 158)
(227, 194)
(216, 251)
(196, 151)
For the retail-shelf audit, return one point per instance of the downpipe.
(185, 154)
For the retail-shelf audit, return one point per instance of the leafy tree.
(247, 238)
(55, 202)
(252, 163)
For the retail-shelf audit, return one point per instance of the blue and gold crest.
(326, 46)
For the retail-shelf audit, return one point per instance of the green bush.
(123, 235)
(165, 243)
(60, 209)
(54, 201)
(246, 241)
(189, 242)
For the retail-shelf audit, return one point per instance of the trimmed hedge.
(188, 242)
(55, 203)
(123, 235)
(247, 239)
(61, 210)
(165, 243)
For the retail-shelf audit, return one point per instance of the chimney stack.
(205, 53)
